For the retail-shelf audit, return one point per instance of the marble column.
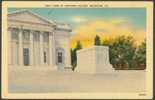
(9, 47)
(31, 48)
(41, 49)
(68, 55)
(54, 50)
(50, 49)
(20, 48)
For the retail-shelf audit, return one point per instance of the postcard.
(77, 50)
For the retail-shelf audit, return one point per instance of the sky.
(86, 23)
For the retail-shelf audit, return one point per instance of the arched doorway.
(60, 58)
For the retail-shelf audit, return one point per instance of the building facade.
(35, 41)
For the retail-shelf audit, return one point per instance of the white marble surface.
(94, 60)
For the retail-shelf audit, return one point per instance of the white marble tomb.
(94, 60)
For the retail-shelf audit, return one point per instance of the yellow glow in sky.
(106, 29)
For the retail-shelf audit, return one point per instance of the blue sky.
(137, 16)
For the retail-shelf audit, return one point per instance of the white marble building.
(35, 41)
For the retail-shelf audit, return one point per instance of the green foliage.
(74, 56)
(122, 52)
(97, 40)
(140, 55)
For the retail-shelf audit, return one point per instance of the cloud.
(105, 29)
(78, 19)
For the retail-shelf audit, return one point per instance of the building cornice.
(30, 22)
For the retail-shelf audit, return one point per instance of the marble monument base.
(94, 60)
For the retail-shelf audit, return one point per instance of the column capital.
(51, 33)
(41, 34)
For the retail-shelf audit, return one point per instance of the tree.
(97, 40)
(74, 56)
(122, 52)
(140, 55)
